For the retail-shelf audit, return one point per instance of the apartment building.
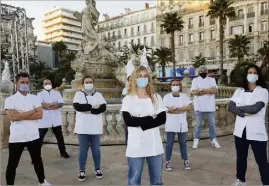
(59, 24)
(137, 27)
(201, 33)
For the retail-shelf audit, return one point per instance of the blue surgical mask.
(88, 87)
(24, 88)
(252, 78)
(142, 82)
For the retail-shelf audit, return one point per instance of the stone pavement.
(209, 166)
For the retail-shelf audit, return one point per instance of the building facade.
(7, 21)
(138, 27)
(45, 53)
(59, 24)
(201, 33)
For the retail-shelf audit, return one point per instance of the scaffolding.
(16, 18)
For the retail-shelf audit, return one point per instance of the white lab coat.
(254, 124)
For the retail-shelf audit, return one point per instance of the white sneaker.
(195, 143)
(45, 183)
(187, 165)
(215, 143)
(239, 183)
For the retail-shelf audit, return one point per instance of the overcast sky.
(36, 8)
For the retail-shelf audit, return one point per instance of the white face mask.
(88, 87)
(175, 88)
(252, 78)
(47, 87)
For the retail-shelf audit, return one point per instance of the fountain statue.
(5, 83)
(143, 59)
(129, 68)
(97, 57)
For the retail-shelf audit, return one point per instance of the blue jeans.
(182, 137)
(199, 116)
(135, 168)
(84, 140)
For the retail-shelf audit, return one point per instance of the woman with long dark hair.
(249, 105)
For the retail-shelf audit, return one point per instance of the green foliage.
(238, 47)
(237, 75)
(198, 61)
(122, 56)
(163, 56)
(172, 22)
(135, 48)
(264, 56)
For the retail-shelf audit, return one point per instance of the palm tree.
(39, 69)
(238, 47)
(163, 56)
(264, 55)
(172, 22)
(221, 9)
(198, 61)
(59, 47)
(135, 48)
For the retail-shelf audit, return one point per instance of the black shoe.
(82, 176)
(65, 155)
(98, 174)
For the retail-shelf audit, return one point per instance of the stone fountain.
(96, 59)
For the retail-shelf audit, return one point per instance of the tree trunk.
(173, 53)
(163, 70)
(221, 36)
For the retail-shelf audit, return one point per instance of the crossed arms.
(52, 106)
(248, 110)
(179, 110)
(90, 109)
(206, 91)
(34, 114)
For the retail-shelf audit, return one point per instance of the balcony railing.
(190, 42)
(125, 35)
(119, 36)
(264, 12)
(212, 39)
(201, 41)
(212, 22)
(201, 24)
(132, 34)
(152, 30)
(138, 33)
(190, 26)
(180, 44)
(235, 18)
(250, 14)
(152, 43)
(145, 31)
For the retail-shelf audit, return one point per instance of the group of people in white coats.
(143, 111)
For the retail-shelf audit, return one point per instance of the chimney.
(127, 10)
(106, 17)
(146, 6)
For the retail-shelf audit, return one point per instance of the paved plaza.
(209, 166)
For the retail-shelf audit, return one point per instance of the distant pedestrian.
(204, 89)
(89, 106)
(143, 112)
(52, 101)
(176, 123)
(23, 110)
(249, 104)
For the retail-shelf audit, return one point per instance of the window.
(212, 34)
(119, 45)
(212, 53)
(152, 25)
(190, 21)
(145, 28)
(162, 41)
(263, 6)
(152, 40)
(181, 39)
(191, 54)
(125, 43)
(190, 37)
(237, 30)
(201, 36)
(250, 27)
(240, 12)
(138, 28)
(132, 41)
(125, 32)
(119, 33)
(138, 18)
(201, 20)
(145, 40)
(250, 9)
(138, 41)
(264, 26)
(132, 31)
(108, 35)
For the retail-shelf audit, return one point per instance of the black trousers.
(15, 152)
(57, 131)
(260, 154)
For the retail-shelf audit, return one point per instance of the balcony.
(119, 36)
(114, 38)
(235, 18)
(145, 31)
(212, 22)
(201, 41)
(264, 12)
(250, 14)
(190, 42)
(190, 26)
(201, 24)
(152, 30)
(125, 35)
(132, 34)
(138, 33)
(180, 44)
(212, 39)
(152, 43)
